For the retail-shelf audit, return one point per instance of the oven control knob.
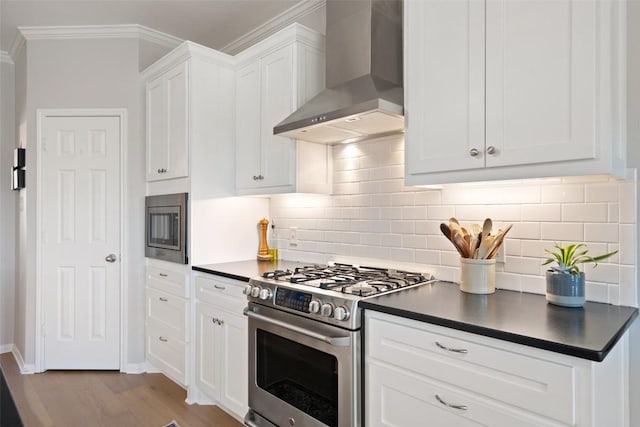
(247, 290)
(341, 313)
(255, 291)
(314, 306)
(266, 294)
(326, 310)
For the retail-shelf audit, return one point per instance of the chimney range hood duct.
(364, 95)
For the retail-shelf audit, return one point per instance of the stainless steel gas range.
(304, 342)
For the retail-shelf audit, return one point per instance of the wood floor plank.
(105, 398)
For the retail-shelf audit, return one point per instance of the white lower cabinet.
(167, 319)
(221, 342)
(422, 374)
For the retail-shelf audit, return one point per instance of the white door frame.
(42, 114)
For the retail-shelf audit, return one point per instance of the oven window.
(301, 376)
(164, 228)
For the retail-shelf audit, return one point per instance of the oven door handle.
(334, 341)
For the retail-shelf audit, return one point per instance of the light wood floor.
(104, 398)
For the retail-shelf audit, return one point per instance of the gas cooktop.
(329, 293)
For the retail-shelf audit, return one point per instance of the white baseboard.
(24, 368)
(6, 348)
(134, 368)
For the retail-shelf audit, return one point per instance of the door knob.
(110, 258)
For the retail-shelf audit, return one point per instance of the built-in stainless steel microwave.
(166, 225)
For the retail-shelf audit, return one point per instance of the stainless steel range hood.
(364, 95)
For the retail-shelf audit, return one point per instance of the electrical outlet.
(293, 236)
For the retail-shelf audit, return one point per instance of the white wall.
(373, 216)
(7, 204)
(633, 143)
(226, 229)
(86, 74)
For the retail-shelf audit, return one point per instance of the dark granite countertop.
(589, 332)
(245, 270)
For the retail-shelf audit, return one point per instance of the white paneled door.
(81, 242)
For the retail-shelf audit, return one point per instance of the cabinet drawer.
(221, 292)
(172, 282)
(166, 353)
(399, 398)
(477, 364)
(170, 311)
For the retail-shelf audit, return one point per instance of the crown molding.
(92, 32)
(273, 25)
(5, 57)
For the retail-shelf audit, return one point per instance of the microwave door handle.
(334, 341)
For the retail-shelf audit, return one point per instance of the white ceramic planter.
(566, 290)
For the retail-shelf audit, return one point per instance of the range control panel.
(294, 300)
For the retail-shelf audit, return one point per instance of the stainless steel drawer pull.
(220, 286)
(163, 299)
(460, 407)
(163, 275)
(163, 339)
(453, 350)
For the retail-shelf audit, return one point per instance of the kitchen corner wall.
(373, 218)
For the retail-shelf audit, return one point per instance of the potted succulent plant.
(565, 281)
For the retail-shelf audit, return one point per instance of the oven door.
(301, 372)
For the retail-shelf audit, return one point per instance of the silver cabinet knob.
(110, 258)
(491, 149)
(474, 152)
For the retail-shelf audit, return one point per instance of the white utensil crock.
(478, 276)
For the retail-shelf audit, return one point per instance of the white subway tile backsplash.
(416, 242)
(585, 212)
(428, 197)
(414, 212)
(440, 213)
(601, 233)
(427, 257)
(601, 192)
(427, 227)
(549, 212)
(523, 265)
(522, 230)
(402, 227)
(557, 232)
(627, 198)
(374, 215)
(628, 244)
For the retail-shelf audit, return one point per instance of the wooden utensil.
(448, 234)
(498, 242)
(486, 227)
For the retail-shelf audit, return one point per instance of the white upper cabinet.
(502, 89)
(167, 137)
(274, 78)
(190, 122)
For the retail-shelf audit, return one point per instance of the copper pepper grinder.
(263, 251)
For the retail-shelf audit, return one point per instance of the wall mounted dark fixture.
(18, 171)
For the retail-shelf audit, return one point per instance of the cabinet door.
(177, 82)
(208, 343)
(400, 398)
(234, 391)
(248, 151)
(444, 90)
(156, 129)
(541, 81)
(277, 102)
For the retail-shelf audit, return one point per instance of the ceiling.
(213, 23)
